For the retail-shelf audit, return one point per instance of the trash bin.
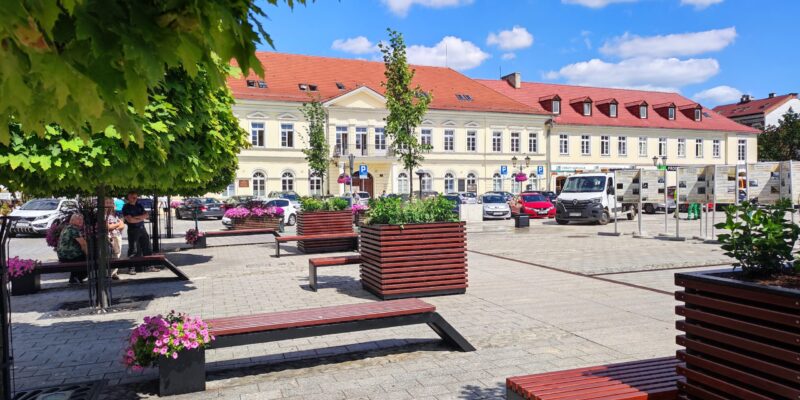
(522, 221)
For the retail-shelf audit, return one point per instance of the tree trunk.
(154, 228)
(103, 299)
(410, 184)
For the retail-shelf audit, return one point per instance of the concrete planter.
(742, 340)
(414, 260)
(325, 222)
(26, 284)
(186, 374)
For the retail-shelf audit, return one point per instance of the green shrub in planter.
(310, 204)
(393, 211)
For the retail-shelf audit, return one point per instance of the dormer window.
(251, 83)
(671, 113)
(587, 108)
(612, 110)
(698, 114)
(556, 106)
(302, 86)
(643, 111)
(312, 88)
(340, 85)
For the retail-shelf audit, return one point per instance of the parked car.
(506, 195)
(652, 208)
(290, 195)
(551, 196)
(428, 193)
(289, 210)
(536, 205)
(235, 201)
(147, 203)
(468, 197)
(495, 206)
(363, 197)
(37, 215)
(456, 200)
(206, 208)
(403, 196)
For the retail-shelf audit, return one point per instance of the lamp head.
(655, 161)
(514, 161)
(527, 161)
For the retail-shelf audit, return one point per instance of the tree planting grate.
(83, 308)
(74, 391)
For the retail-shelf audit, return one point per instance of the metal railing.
(367, 150)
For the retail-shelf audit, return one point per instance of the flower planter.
(325, 222)
(415, 260)
(742, 339)
(186, 374)
(258, 223)
(200, 243)
(26, 284)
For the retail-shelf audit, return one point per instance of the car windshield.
(469, 194)
(40, 205)
(530, 198)
(584, 184)
(494, 198)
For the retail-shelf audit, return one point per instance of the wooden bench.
(201, 241)
(269, 327)
(31, 283)
(311, 238)
(654, 379)
(315, 263)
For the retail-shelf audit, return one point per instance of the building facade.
(760, 113)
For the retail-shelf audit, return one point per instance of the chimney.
(514, 79)
(771, 95)
(745, 98)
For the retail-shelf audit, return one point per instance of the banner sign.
(724, 184)
(764, 182)
(692, 185)
(627, 188)
(652, 185)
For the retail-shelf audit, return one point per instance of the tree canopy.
(318, 151)
(782, 142)
(190, 138)
(78, 62)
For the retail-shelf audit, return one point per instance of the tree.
(407, 106)
(318, 151)
(73, 62)
(782, 142)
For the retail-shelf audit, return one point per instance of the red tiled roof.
(751, 107)
(530, 94)
(283, 73)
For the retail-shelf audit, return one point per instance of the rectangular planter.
(26, 284)
(186, 374)
(741, 340)
(257, 223)
(325, 222)
(415, 260)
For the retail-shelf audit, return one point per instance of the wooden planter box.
(257, 223)
(742, 340)
(359, 217)
(415, 260)
(325, 222)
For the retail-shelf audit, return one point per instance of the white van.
(589, 197)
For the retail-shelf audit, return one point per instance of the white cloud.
(451, 51)
(679, 44)
(663, 74)
(508, 56)
(401, 7)
(355, 45)
(718, 95)
(514, 39)
(596, 3)
(700, 4)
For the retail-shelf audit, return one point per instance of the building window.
(622, 145)
(587, 108)
(341, 140)
(563, 144)
(643, 112)
(472, 182)
(741, 150)
(361, 140)
(257, 134)
(287, 181)
(427, 182)
(287, 135)
(612, 110)
(698, 114)
(426, 137)
(449, 140)
(259, 184)
(671, 113)
(449, 183)
(605, 145)
(533, 143)
(230, 190)
(715, 147)
(662, 147)
(497, 182)
(380, 139)
(516, 187)
(556, 107)
(515, 142)
(586, 145)
(681, 147)
(497, 142)
(698, 148)
(472, 141)
(315, 184)
(402, 183)
(642, 146)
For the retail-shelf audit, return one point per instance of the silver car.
(495, 207)
(468, 197)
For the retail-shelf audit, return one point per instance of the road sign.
(540, 170)
(362, 171)
(504, 170)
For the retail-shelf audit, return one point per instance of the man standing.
(135, 216)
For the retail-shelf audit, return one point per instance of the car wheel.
(649, 209)
(561, 221)
(631, 214)
(604, 218)
(292, 220)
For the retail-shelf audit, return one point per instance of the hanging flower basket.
(344, 179)
(520, 177)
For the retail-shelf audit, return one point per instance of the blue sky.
(709, 50)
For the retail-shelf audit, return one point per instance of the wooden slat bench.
(270, 327)
(31, 283)
(310, 238)
(201, 242)
(315, 263)
(653, 379)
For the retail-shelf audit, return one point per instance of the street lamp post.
(352, 159)
(335, 160)
(420, 174)
(663, 164)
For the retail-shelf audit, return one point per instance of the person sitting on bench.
(72, 246)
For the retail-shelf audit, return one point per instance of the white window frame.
(681, 147)
(287, 135)
(497, 142)
(662, 146)
(587, 109)
(515, 142)
(563, 144)
(449, 140)
(362, 137)
(612, 110)
(259, 181)
(315, 184)
(643, 111)
(258, 134)
(622, 146)
(402, 183)
(716, 147)
(472, 179)
(741, 149)
(698, 114)
(472, 141)
(605, 146)
(556, 106)
(497, 182)
(671, 113)
(230, 190)
(449, 183)
(342, 139)
(533, 142)
(426, 137)
(427, 182)
(380, 138)
(698, 148)
(642, 146)
(586, 145)
(287, 181)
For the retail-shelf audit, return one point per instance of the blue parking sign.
(362, 171)
(504, 170)
(540, 170)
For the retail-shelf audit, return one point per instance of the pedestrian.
(135, 216)
(72, 246)
(115, 228)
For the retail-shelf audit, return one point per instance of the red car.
(536, 205)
